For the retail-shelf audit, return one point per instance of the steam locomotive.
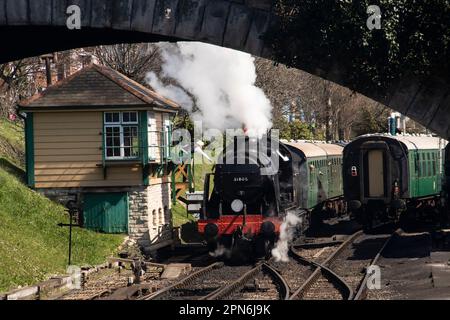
(246, 206)
(393, 178)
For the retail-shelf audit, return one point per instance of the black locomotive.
(249, 200)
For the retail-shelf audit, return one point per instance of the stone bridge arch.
(33, 27)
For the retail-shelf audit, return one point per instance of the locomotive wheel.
(263, 247)
(211, 245)
(268, 246)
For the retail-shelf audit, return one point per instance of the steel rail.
(283, 286)
(323, 269)
(361, 292)
(183, 282)
(236, 285)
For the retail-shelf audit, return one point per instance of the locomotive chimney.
(245, 129)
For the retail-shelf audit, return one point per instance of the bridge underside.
(34, 27)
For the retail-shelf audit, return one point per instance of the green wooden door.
(106, 212)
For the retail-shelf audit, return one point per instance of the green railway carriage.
(446, 183)
(320, 173)
(384, 174)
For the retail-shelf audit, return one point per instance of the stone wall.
(61, 196)
(149, 215)
(138, 216)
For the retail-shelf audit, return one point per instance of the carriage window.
(434, 167)
(433, 161)
(430, 165)
(420, 164)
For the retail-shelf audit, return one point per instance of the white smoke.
(222, 82)
(220, 251)
(287, 229)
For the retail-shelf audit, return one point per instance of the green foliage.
(333, 36)
(283, 126)
(180, 216)
(370, 122)
(32, 246)
(12, 141)
(300, 130)
(13, 132)
(295, 130)
(183, 121)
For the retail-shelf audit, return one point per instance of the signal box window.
(121, 135)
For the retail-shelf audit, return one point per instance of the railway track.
(342, 275)
(324, 283)
(200, 284)
(220, 282)
(334, 270)
(100, 286)
(263, 282)
(361, 292)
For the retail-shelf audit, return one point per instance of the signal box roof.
(96, 87)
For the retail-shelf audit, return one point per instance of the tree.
(132, 60)
(373, 119)
(326, 37)
(17, 81)
(300, 130)
(328, 110)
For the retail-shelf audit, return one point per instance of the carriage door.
(375, 166)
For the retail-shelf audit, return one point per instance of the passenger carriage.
(385, 175)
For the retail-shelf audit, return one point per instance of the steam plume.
(287, 229)
(222, 82)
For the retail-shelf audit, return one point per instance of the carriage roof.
(316, 149)
(414, 142)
